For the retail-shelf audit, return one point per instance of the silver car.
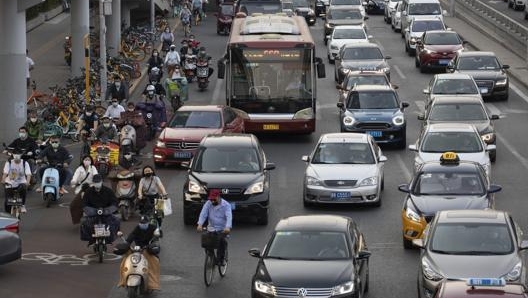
(462, 244)
(344, 168)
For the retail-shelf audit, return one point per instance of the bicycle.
(210, 243)
(37, 98)
(186, 26)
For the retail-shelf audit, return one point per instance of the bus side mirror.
(321, 73)
(221, 68)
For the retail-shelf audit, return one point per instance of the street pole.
(102, 49)
(86, 43)
(152, 14)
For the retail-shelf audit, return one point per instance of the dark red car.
(480, 288)
(180, 138)
(436, 48)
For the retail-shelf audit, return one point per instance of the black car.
(302, 8)
(360, 56)
(490, 76)
(361, 77)
(10, 243)
(234, 163)
(375, 7)
(312, 256)
(320, 7)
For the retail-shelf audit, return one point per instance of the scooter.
(29, 158)
(202, 73)
(127, 138)
(101, 231)
(189, 67)
(155, 115)
(105, 155)
(14, 203)
(126, 192)
(50, 185)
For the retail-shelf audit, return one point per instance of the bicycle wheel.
(138, 54)
(209, 265)
(223, 269)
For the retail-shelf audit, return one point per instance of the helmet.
(151, 88)
(172, 46)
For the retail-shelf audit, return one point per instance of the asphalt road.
(502, 6)
(62, 270)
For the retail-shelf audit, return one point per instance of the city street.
(56, 263)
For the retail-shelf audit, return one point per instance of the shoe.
(23, 209)
(63, 191)
(39, 189)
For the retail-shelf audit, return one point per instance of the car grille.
(234, 194)
(373, 125)
(487, 84)
(340, 183)
(182, 145)
(298, 292)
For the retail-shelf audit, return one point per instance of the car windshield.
(478, 63)
(372, 100)
(346, 2)
(366, 53)
(455, 86)
(472, 239)
(349, 34)
(308, 245)
(343, 153)
(342, 14)
(226, 160)
(196, 119)
(457, 141)
(457, 112)
(448, 183)
(366, 80)
(422, 26)
(424, 9)
(301, 3)
(442, 38)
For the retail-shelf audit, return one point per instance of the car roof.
(457, 99)
(229, 140)
(426, 19)
(423, 1)
(314, 223)
(361, 45)
(368, 87)
(440, 31)
(463, 166)
(470, 216)
(201, 108)
(454, 75)
(348, 27)
(445, 127)
(476, 53)
(460, 289)
(344, 7)
(344, 138)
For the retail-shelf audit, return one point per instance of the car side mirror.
(494, 117)
(185, 164)
(505, 66)
(493, 188)
(269, 166)
(365, 18)
(340, 105)
(426, 91)
(464, 42)
(370, 36)
(491, 147)
(382, 158)
(388, 57)
(413, 148)
(404, 104)
(421, 117)
(305, 158)
(444, 12)
(404, 188)
(363, 254)
(328, 37)
(254, 252)
(524, 245)
(418, 243)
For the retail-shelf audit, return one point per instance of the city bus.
(270, 71)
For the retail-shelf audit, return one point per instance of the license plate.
(270, 127)
(375, 134)
(182, 155)
(340, 195)
(202, 71)
(233, 206)
(483, 90)
(444, 61)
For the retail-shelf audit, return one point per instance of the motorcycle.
(67, 50)
(202, 73)
(155, 115)
(224, 18)
(101, 231)
(14, 203)
(127, 138)
(126, 192)
(189, 67)
(105, 155)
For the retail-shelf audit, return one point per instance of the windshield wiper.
(482, 253)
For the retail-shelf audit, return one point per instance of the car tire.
(504, 97)
(367, 278)
(407, 244)
(493, 156)
(382, 183)
(188, 219)
(307, 204)
(330, 60)
(393, 28)
(262, 219)
(406, 48)
(510, 5)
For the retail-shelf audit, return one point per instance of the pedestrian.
(30, 66)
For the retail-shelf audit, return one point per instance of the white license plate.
(101, 231)
(202, 72)
(483, 90)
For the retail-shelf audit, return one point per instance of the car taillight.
(12, 228)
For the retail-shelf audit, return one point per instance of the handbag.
(167, 207)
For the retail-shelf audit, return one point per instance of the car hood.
(480, 157)
(187, 134)
(464, 266)
(364, 64)
(429, 205)
(303, 273)
(226, 180)
(346, 22)
(342, 171)
(375, 115)
(483, 126)
(416, 34)
(444, 48)
(340, 42)
(483, 74)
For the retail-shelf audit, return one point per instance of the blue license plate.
(374, 133)
(443, 61)
(233, 206)
(340, 195)
(182, 155)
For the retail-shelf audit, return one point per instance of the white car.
(344, 168)
(461, 138)
(416, 29)
(344, 35)
(390, 7)
(396, 17)
(357, 4)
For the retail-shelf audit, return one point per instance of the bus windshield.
(271, 80)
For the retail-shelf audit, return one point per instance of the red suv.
(436, 48)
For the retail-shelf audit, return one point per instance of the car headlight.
(427, 51)
(344, 71)
(459, 50)
(264, 287)
(501, 82)
(313, 181)
(413, 40)
(369, 181)
(398, 120)
(255, 188)
(429, 272)
(344, 288)
(195, 187)
(385, 69)
(515, 273)
(135, 259)
(488, 137)
(334, 47)
(160, 144)
(349, 121)
(412, 215)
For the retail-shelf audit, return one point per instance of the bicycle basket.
(211, 240)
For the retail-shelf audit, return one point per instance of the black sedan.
(375, 7)
(10, 243)
(490, 76)
(312, 256)
(360, 56)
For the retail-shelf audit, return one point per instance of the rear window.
(425, 9)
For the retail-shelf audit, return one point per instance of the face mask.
(33, 120)
(22, 135)
(106, 125)
(55, 145)
(148, 174)
(114, 104)
(87, 163)
(98, 186)
(88, 114)
(117, 84)
(155, 54)
(131, 110)
(143, 226)
(128, 156)
(17, 157)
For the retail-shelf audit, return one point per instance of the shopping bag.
(167, 207)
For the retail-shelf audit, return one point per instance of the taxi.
(448, 184)
(480, 288)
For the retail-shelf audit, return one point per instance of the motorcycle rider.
(17, 173)
(143, 235)
(135, 118)
(167, 38)
(158, 88)
(81, 181)
(202, 56)
(150, 186)
(118, 89)
(128, 161)
(155, 61)
(172, 59)
(114, 110)
(34, 126)
(88, 121)
(107, 131)
(56, 154)
(24, 143)
(96, 197)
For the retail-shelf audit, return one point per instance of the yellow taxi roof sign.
(449, 158)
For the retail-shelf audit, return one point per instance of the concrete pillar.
(13, 65)
(125, 13)
(114, 29)
(80, 26)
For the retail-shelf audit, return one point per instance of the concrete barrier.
(43, 17)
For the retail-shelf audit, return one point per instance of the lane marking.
(406, 172)
(522, 159)
(400, 73)
(519, 92)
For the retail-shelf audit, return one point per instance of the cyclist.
(167, 38)
(185, 17)
(218, 214)
(197, 9)
(172, 59)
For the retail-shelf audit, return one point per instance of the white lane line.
(406, 173)
(494, 110)
(400, 73)
(519, 92)
(421, 105)
(217, 90)
(522, 159)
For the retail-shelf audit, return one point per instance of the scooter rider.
(149, 187)
(34, 126)
(118, 89)
(135, 118)
(56, 154)
(17, 173)
(107, 131)
(114, 110)
(172, 59)
(155, 61)
(202, 56)
(24, 143)
(88, 120)
(158, 88)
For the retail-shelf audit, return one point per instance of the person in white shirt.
(30, 66)
(114, 110)
(172, 59)
(16, 174)
(84, 174)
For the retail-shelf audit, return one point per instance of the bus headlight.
(304, 114)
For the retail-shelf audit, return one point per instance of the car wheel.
(510, 5)
(406, 48)
(262, 220)
(382, 183)
(493, 156)
(378, 202)
(526, 16)
(505, 97)
(330, 60)
(393, 28)
(307, 204)
(401, 144)
(407, 244)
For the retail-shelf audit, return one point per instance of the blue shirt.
(220, 216)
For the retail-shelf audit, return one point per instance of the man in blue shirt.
(217, 212)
